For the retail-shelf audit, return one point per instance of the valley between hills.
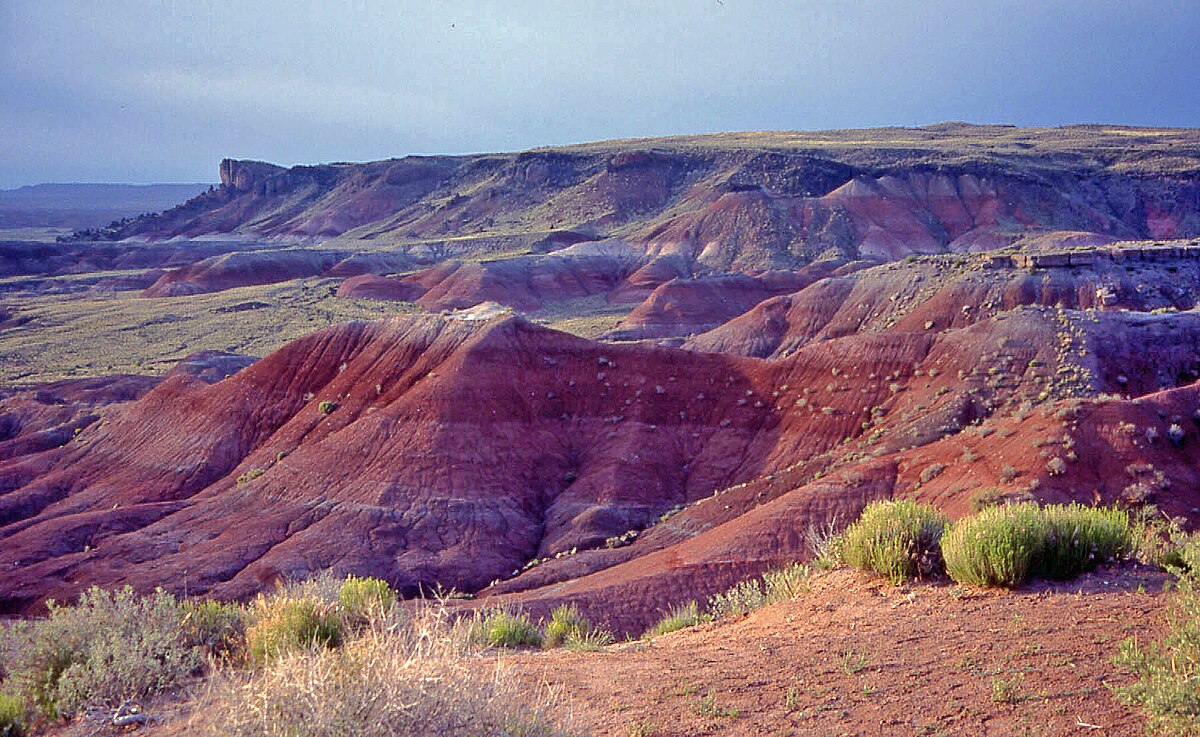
(625, 376)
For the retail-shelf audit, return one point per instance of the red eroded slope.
(456, 452)
(683, 307)
(445, 451)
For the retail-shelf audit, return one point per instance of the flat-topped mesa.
(1091, 256)
(245, 175)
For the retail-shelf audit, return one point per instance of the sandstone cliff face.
(247, 176)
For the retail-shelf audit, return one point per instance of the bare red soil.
(855, 656)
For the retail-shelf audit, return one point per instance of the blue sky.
(124, 91)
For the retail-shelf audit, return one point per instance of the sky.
(140, 91)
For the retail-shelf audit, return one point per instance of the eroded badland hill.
(620, 375)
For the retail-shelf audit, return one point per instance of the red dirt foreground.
(859, 657)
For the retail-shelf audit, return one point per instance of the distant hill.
(87, 205)
(746, 201)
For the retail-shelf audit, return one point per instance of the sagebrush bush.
(216, 625)
(825, 543)
(679, 617)
(1004, 546)
(410, 678)
(997, 547)
(324, 587)
(896, 539)
(12, 716)
(778, 585)
(364, 599)
(739, 599)
(1169, 670)
(565, 622)
(283, 624)
(108, 647)
(1157, 539)
(503, 628)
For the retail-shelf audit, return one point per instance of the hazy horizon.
(146, 92)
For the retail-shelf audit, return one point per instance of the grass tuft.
(679, 617)
(503, 628)
(364, 599)
(414, 677)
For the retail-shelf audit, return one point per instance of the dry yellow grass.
(413, 677)
(80, 335)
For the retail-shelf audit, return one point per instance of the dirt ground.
(859, 657)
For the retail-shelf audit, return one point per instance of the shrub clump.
(218, 626)
(997, 547)
(108, 647)
(12, 716)
(284, 624)
(364, 599)
(1078, 538)
(565, 623)
(502, 628)
(1004, 546)
(1169, 670)
(896, 539)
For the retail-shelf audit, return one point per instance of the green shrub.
(502, 628)
(1157, 539)
(284, 624)
(109, 647)
(1079, 537)
(896, 539)
(218, 626)
(327, 407)
(565, 622)
(1004, 546)
(680, 616)
(999, 546)
(1169, 670)
(12, 716)
(364, 599)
